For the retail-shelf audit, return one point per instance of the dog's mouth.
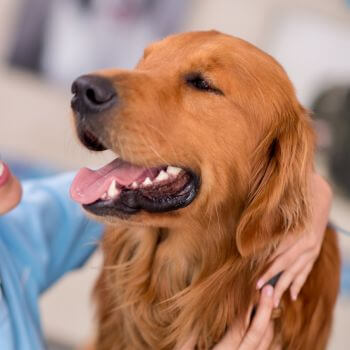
(121, 188)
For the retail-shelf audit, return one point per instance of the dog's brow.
(200, 74)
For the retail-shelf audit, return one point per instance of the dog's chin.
(166, 196)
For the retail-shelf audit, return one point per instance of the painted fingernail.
(259, 284)
(4, 173)
(268, 290)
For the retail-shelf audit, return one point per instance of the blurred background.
(45, 44)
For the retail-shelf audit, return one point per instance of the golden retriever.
(216, 155)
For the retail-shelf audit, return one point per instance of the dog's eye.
(200, 83)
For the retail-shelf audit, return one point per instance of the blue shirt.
(46, 236)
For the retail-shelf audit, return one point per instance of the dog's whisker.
(166, 140)
(149, 145)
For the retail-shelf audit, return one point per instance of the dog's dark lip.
(87, 137)
(90, 141)
(131, 201)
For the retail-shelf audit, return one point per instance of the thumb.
(10, 189)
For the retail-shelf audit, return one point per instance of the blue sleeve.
(48, 234)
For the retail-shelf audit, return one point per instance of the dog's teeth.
(112, 190)
(134, 185)
(147, 182)
(172, 170)
(104, 196)
(162, 176)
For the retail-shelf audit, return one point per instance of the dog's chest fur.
(147, 294)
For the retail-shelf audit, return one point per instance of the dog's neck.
(168, 272)
(173, 258)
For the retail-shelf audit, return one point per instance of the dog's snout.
(93, 94)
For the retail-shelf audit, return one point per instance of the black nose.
(92, 94)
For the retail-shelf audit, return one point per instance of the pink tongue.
(89, 185)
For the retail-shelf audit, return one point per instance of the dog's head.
(206, 125)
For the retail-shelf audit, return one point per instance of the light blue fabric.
(45, 237)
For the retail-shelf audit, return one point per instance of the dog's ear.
(278, 200)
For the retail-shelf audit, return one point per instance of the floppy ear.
(278, 200)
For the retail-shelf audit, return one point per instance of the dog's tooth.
(104, 196)
(134, 185)
(162, 176)
(2, 168)
(112, 190)
(147, 182)
(172, 170)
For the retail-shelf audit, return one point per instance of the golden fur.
(168, 275)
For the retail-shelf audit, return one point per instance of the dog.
(215, 159)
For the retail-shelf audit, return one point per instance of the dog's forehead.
(184, 41)
(204, 49)
(186, 46)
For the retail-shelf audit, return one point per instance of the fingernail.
(2, 168)
(294, 296)
(259, 284)
(4, 173)
(268, 290)
(277, 303)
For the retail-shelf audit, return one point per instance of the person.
(48, 235)
(41, 239)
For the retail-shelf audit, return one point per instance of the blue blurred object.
(345, 279)
(27, 170)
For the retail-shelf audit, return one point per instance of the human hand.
(10, 189)
(255, 336)
(296, 255)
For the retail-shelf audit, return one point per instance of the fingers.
(277, 266)
(232, 338)
(189, 345)
(268, 338)
(280, 264)
(285, 245)
(288, 251)
(305, 245)
(288, 277)
(10, 189)
(296, 267)
(257, 334)
(260, 333)
(299, 281)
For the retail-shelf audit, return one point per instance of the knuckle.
(312, 255)
(310, 240)
(286, 282)
(296, 287)
(252, 337)
(278, 294)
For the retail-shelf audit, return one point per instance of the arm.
(48, 234)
